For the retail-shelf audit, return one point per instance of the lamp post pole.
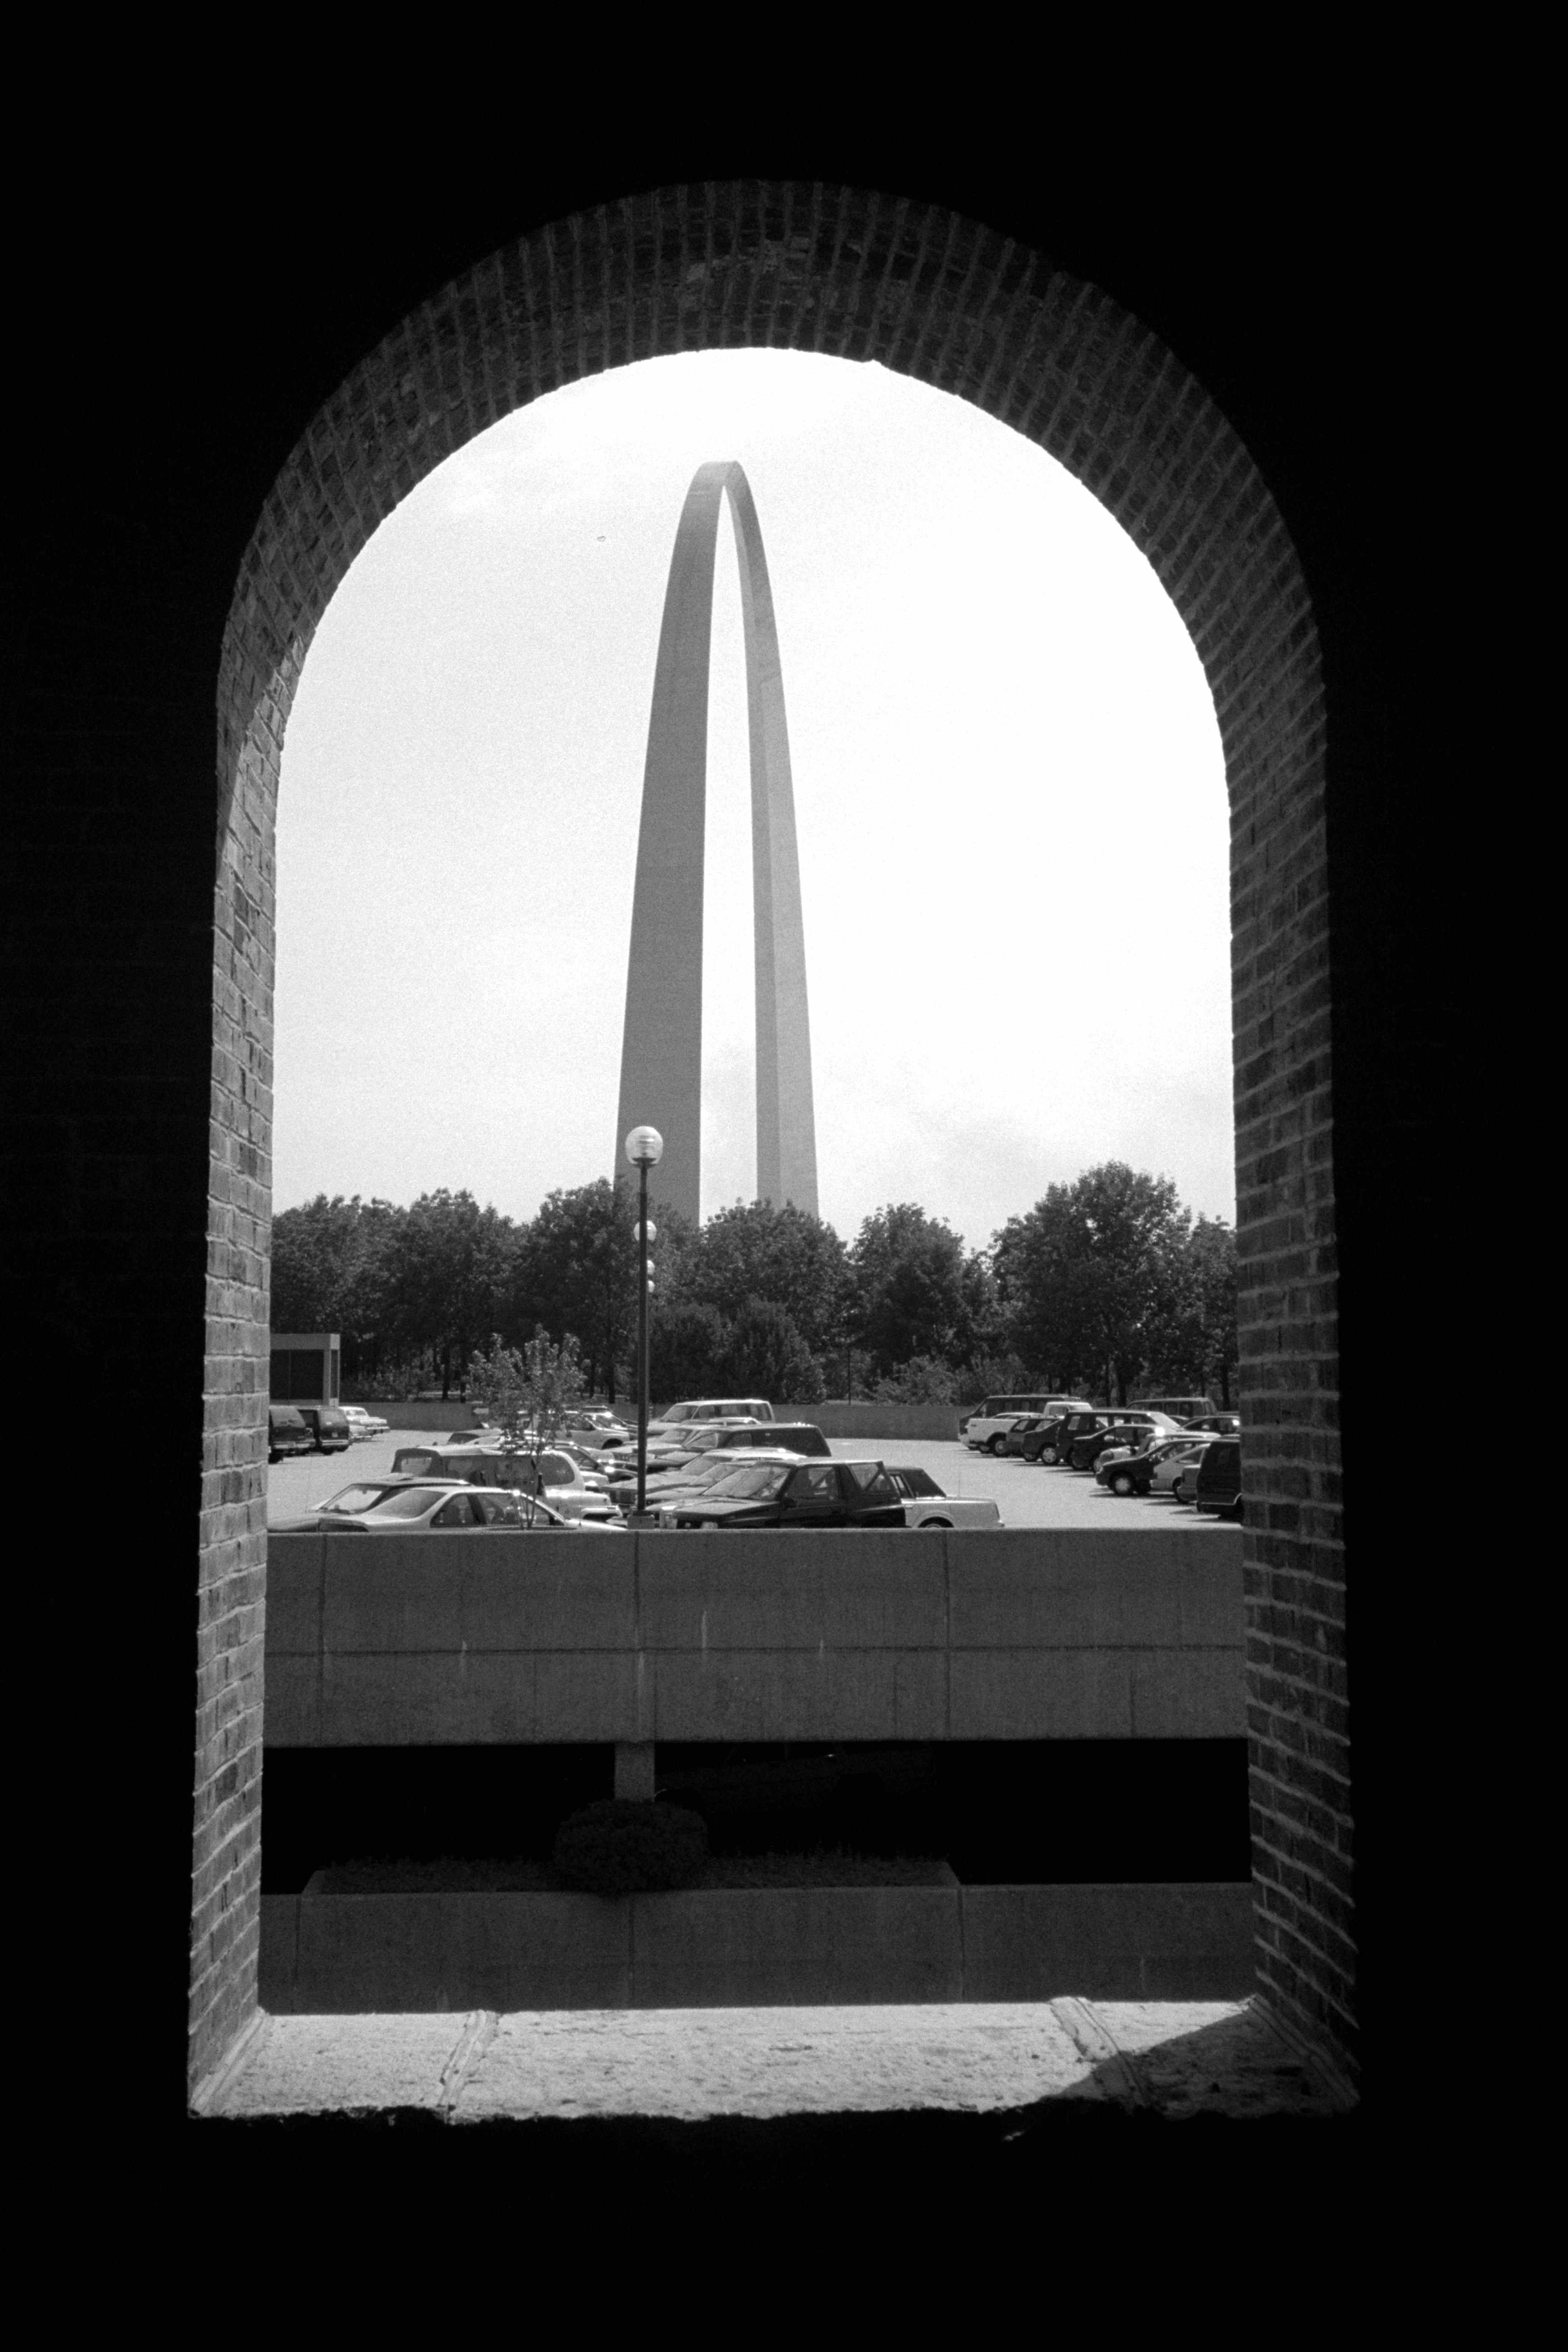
(642, 1338)
(644, 1149)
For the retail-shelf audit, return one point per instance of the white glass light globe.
(645, 1147)
(652, 1231)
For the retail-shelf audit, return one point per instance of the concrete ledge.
(976, 1634)
(330, 1955)
(1174, 2060)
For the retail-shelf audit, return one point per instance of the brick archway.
(861, 277)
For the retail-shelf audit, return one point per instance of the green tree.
(1085, 1276)
(918, 1294)
(331, 1271)
(923, 1379)
(579, 1273)
(1193, 1340)
(757, 1252)
(767, 1355)
(689, 1352)
(450, 1271)
(526, 1391)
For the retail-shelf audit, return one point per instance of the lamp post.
(644, 1149)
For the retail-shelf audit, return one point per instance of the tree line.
(1107, 1284)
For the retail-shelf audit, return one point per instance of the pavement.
(1027, 1494)
(1172, 2059)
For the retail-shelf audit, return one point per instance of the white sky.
(1009, 792)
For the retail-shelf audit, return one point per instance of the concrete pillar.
(634, 1769)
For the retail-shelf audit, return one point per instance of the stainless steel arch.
(661, 1052)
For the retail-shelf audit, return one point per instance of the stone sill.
(1025, 2060)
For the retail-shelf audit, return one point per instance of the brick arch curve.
(860, 276)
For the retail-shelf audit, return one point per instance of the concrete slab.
(342, 2065)
(865, 1589)
(809, 1946)
(1172, 2059)
(805, 1693)
(776, 2061)
(1108, 1942)
(1213, 2058)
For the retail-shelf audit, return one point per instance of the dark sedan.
(1051, 1441)
(1133, 1474)
(811, 1495)
(1217, 1486)
(1086, 1449)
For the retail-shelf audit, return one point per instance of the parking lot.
(1025, 1495)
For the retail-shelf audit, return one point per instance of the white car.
(925, 1505)
(986, 1430)
(363, 1424)
(714, 1409)
(565, 1485)
(1171, 1464)
(401, 1507)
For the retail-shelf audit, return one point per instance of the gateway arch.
(661, 1053)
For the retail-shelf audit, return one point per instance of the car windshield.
(759, 1482)
(406, 1503)
(358, 1498)
(709, 1473)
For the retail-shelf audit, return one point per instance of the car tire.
(1121, 1484)
(936, 1523)
(997, 1446)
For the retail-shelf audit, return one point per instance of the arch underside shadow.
(864, 277)
(661, 1053)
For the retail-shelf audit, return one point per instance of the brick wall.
(918, 288)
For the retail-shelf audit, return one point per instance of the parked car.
(329, 1428)
(798, 1436)
(1220, 1425)
(1173, 1462)
(1119, 1429)
(811, 1495)
(684, 1444)
(1131, 1470)
(985, 1429)
(364, 1424)
(420, 1507)
(1181, 1410)
(550, 1473)
(1014, 1439)
(287, 1432)
(1217, 1486)
(714, 1409)
(591, 1417)
(1184, 1485)
(699, 1476)
(603, 1437)
(926, 1506)
(1043, 1442)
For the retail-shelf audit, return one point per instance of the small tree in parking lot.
(527, 1391)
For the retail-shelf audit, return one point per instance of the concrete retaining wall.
(398, 1412)
(871, 1421)
(833, 1419)
(885, 1634)
(325, 1954)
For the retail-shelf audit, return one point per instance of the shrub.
(622, 1846)
(924, 1379)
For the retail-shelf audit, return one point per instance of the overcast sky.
(1008, 783)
